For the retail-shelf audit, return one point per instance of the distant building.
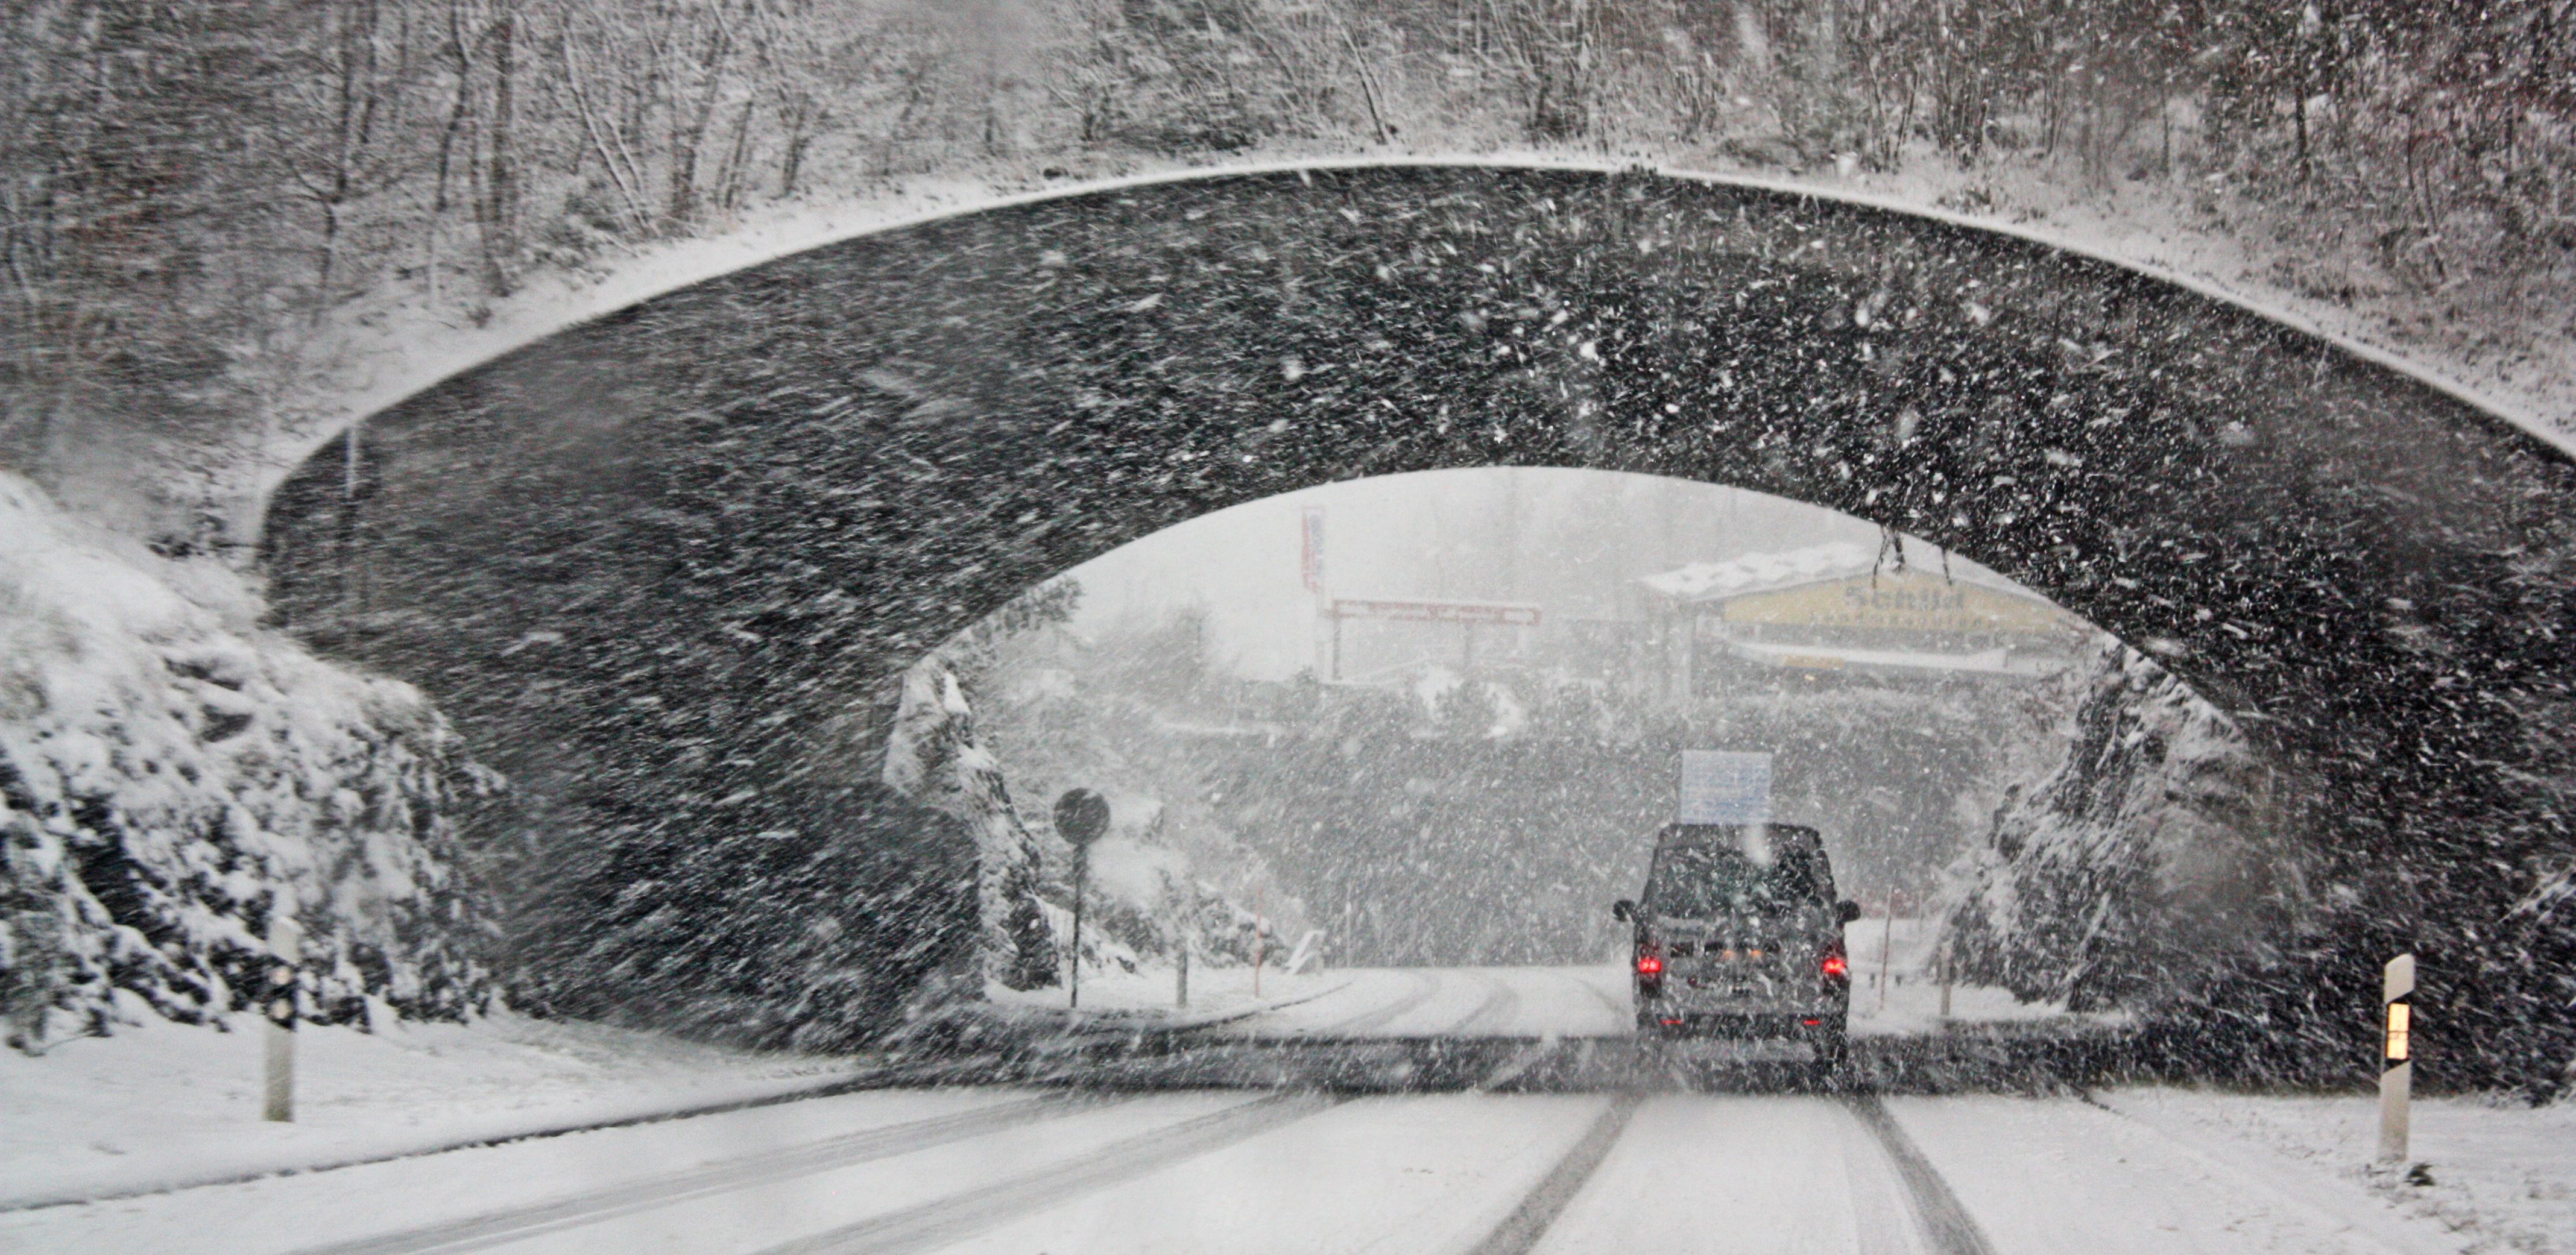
(1842, 610)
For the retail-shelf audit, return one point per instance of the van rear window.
(1693, 881)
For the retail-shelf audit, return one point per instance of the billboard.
(1723, 787)
(1512, 614)
(1900, 601)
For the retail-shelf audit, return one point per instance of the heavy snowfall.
(1324, 626)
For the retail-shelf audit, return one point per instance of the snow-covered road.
(1451, 1002)
(1014, 1172)
(1625, 1150)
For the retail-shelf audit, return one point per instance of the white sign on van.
(1723, 787)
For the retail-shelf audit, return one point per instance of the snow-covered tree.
(173, 779)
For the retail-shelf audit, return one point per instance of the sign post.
(1719, 787)
(2396, 1057)
(1310, 569)
(1080, 817)
(1184, 921)
(285, 945)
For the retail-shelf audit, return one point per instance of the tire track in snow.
(1495, 1011)
(1623, 1009)
(1521, 1230)
(940, 1222)
(1371, 1021)
(1943, 1221)
(497, 1228)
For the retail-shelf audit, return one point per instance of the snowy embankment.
(174, 779)
(167, 1106)
(2499, 1175)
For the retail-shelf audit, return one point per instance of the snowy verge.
(169, 1106)
(2503, 1175)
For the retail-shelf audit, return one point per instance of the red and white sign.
(1513, 614)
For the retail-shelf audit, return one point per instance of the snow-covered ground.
(1646, 1164)
(162, 1104)
(2503, 1174)
(1014, 1170)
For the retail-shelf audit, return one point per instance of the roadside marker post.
(2396, 1056)
(285, 944)
(1886, 948)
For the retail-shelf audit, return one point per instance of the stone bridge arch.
(663, 566)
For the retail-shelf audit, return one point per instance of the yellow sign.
(1902, 600)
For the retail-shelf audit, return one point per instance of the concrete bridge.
(662, 566)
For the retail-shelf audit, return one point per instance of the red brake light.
(1650, 965)
(1835, 966)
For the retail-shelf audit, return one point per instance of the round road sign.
(1081, 816)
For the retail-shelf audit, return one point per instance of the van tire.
(1832, 1042)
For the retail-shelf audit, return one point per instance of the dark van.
(1739, 934)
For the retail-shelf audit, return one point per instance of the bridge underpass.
(663, 568)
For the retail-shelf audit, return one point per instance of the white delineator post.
(1886, 948)
(2396, 1066)
(278, 1008)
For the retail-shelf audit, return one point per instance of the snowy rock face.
(652, 565)
(172, 777)
(932, 756)
(2156, 854)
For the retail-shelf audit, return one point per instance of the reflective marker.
(2396, 1070)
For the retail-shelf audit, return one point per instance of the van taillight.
(1650, 965)
(1835, 966)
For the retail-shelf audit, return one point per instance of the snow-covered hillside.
(171, 776)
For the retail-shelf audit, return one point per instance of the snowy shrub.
(171, 776)
(2152, 857)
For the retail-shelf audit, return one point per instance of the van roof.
(1731, 834)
